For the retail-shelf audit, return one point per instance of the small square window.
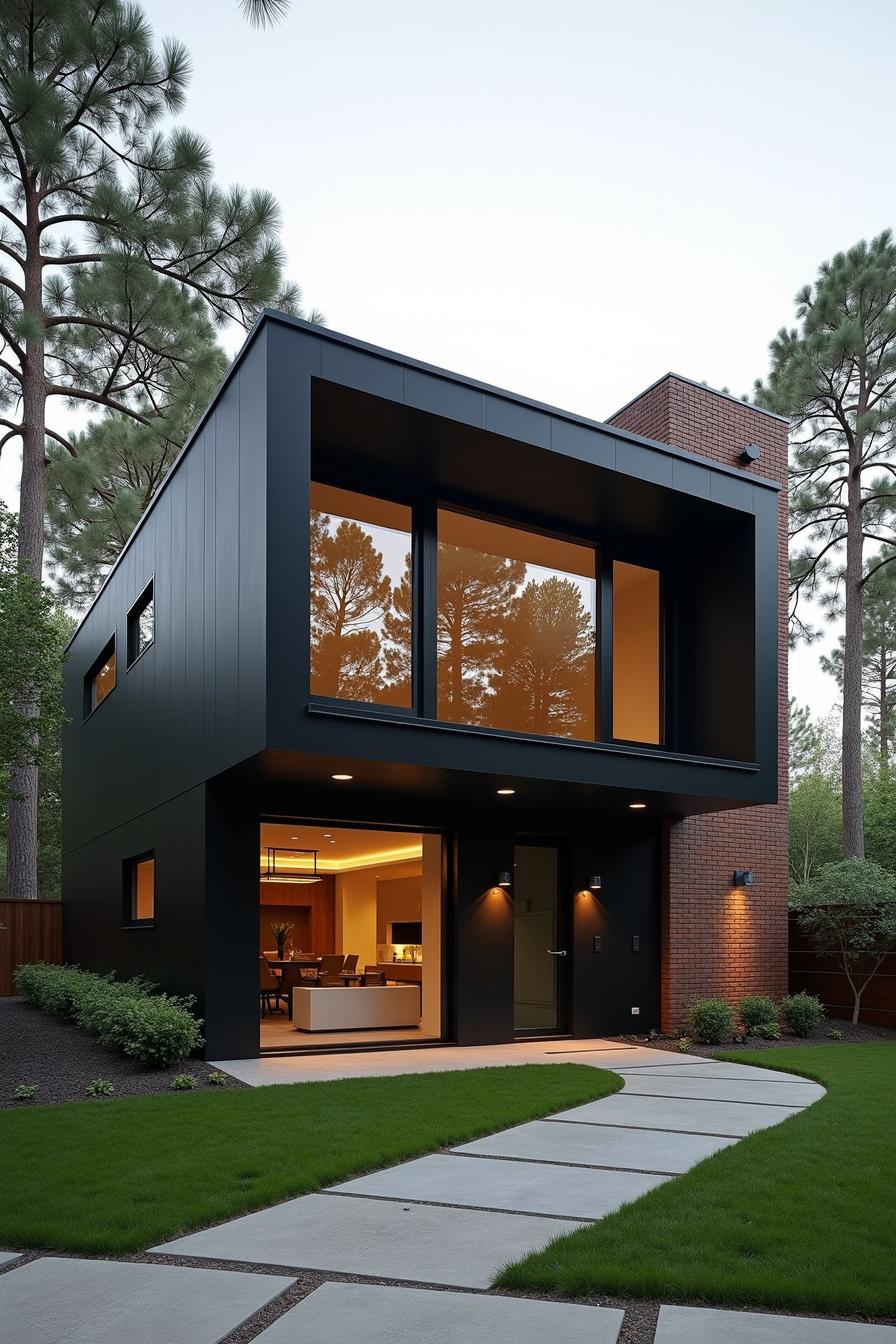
(140, 890)
(100, 680)
(141, 624)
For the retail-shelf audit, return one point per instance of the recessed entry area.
(350, 936)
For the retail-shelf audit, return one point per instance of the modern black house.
(380, 723)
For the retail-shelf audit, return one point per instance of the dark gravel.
(851, 1035)
(62, 1059)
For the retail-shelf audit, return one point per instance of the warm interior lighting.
(506, 793)
(342, 777)
(636, 653)
(637, 807)
(400, 854)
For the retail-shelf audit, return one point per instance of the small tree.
(849, 911)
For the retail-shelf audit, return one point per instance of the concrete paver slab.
(61, 1301)
(525, 1187)
(684, 1114)
(724, 1089)
(598, 1146)
(421, 1243)
(703, 1325)
(715, 1069)
(380, 1315)
(6, 1256)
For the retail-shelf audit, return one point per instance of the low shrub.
(157, 1029)
(755, 1010)
(684, 1044)
(100, 1087)
(769, 1031)
(217, 1079)
(802, 1012)
(183, 1082)
(711, 1020)
(26, 1091)
(835, 1034)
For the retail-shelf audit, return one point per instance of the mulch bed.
(851, 1035)
(62, 1059)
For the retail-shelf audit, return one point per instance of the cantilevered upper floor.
(361, 564)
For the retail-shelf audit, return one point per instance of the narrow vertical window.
(100, 680)
(141, 624)
(140, 890)
(361, 597)
(637, 682)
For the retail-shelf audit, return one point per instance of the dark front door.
(539, 941)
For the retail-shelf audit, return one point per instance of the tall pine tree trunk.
(853, 820)
(21, 839)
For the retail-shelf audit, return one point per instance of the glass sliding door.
(539, 954)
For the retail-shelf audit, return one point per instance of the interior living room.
(349, 936)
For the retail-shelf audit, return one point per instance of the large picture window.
(516, 629)
(361, 597)
(636, 653)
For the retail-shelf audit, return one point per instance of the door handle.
(552, 953)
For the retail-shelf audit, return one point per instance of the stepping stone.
(598, 1146)
(56, 1301)
(6, 1256)
(524, 1187)
(380, 1315)
(731, 1118)
(724, 1089)
(701, 1325)
(376, 1238)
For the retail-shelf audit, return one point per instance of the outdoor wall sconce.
(594, 883)
(504, 880)
(743, 877)
(750, 454)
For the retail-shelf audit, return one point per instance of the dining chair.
(351, 963)
(373, 976)
(330, 967)
(270, 988)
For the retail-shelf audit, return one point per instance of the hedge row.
(712, 1020)
(155, 1028)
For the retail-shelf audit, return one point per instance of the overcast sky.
(564, 199)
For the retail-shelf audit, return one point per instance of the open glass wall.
(350, 936)
(637, 682)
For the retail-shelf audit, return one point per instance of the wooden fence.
(33, 932)
(820, 975)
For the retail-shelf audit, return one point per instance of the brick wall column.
(717, 940)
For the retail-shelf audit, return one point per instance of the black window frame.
(129, 890)
(109, 649)
(147, 596)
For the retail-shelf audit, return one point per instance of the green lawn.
(800, 1216)
(122, 1175)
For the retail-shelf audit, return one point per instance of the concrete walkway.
(437, 1229)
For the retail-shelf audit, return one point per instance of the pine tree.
(475, 596)
(350, 594)
(878, 659)
(544, 680)
(836, 378)
(115, 240)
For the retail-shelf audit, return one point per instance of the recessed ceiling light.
(506, 793)
(342, 776)
(637, 807)
(293, 837)
(328, 835)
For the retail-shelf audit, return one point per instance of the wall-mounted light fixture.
(743, 877)
(594, 883)
(504, 880)
(750, 454)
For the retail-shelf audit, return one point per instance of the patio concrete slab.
(61, 1301)
(377, 1238)
(683, 1114)
(598, 1146)
(6, 1256)
(724, 1089)
(703, 1325)
(380, 1315)
(523, 1187)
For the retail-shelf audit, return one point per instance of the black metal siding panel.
(193, 704)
